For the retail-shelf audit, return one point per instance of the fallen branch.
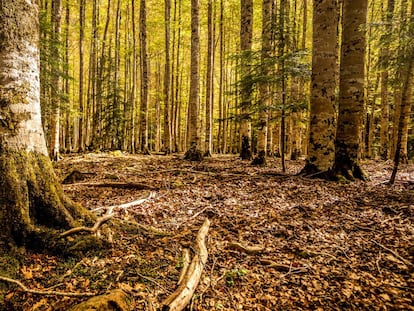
(251, 250)
(40, 292)
(121, 185)
(125, 205)
(183, 294)
(94, 229)
(186, 264)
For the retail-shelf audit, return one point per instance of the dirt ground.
(276, 241)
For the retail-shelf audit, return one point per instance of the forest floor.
(304, 244)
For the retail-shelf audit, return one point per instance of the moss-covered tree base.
(33, 205)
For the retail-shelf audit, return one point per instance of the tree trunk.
(246, 34)
(30, 195)
(81, 139)
(385, 107)
(193, 139)
(208, 149)
(54, 146)
(264, 87)
(321, 144)
(167, 121)
(144, 79)
(351, 91)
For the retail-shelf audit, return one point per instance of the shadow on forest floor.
(320, 245)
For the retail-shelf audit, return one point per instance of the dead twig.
(45, 293)
(405, 261)
(94, 229)
(251, 250)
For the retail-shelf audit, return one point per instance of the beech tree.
(246, 34)
(30, 195)
(321, 145)
(193, 139)
(351, 91)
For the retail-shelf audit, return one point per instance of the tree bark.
(144, 79)
(351, 91)
(321, 144)
(246, 34)
(193, 139)
(264, 87)
(30, 195)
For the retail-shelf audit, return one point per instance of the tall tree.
(246, 35)
(144, 79)
(264, 87)
(30, 196)
(321, 144)
(54, 145)
(384, 56)
(193, 138)
(81, 130)
(351, 91)
(406, 100)
(208, 148)
(167, 76)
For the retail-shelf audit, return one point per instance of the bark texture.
(30, 195)
(321, 146)
(351, 91)
(246, 32)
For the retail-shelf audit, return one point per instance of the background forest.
(116, 74)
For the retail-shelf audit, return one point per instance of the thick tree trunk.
(351, 92)
(30, 195)
(321, 145)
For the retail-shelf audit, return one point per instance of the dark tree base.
(245, 153)
(193, 154)
(260, 159)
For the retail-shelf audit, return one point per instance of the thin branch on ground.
(45, 293)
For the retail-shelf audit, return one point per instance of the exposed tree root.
(183, 294)
(94, 229)
(40, 292)
(114, 300)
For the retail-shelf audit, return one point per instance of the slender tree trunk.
(246, 34)
(385, 107)
(144, 79)
(209, 83)
(193, 138)
(264, 87)
(167, 76)
(351, 91)
(81, 139)
(54, 145)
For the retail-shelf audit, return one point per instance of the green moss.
(33, 201)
